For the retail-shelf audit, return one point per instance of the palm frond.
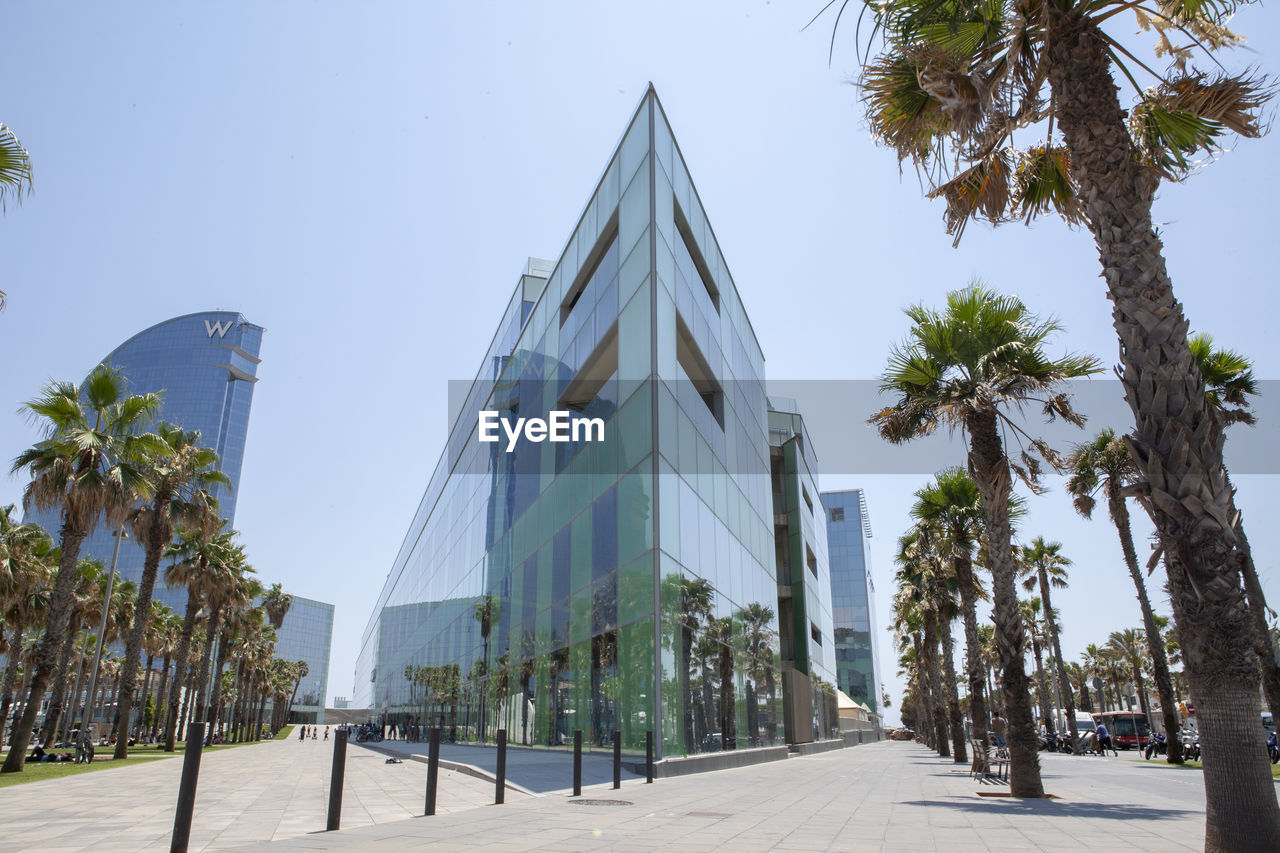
(1044, 183)
(15, 168)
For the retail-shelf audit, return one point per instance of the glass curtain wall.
(624, 584)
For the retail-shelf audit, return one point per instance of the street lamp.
(87, 708)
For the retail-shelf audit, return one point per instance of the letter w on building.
(221, 328)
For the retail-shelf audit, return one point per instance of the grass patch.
(1193, 765)
(38, 771)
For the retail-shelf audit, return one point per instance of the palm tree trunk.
(179, 670)
(963, 568)
(924, 726)
(1119, 511)
(53, 715)
(216, 711)
(61, 603)
(202, 684)
(935, 685)
(157, 539)
(1042, 686)
(1178, 441)
(1064, 683)
(68, 720)
(160, 691)
(990, 471)
(1261, 634)
(10, 680)
(146, 694)
(953, 695)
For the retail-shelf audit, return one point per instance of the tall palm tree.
(954, 82)
(192, 553)
(86, 591)
(1229, 385)
(276, 603)
(1044, 566)
(1104, 466)
(1079, 678)
(486, 612)
(1130, 649)
(692, 598)
(1031, 610)
(177, 476)
(82, 469)
(758, 637)
(951, 501)
(965, 366)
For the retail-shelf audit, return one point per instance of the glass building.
(206, 364)
(808, 647)
(853, 596)
(626, 583)
(307, 634)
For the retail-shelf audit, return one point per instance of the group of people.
(1098, 741)
(302, 732)
(83, 754)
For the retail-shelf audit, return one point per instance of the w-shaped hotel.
(666, 574)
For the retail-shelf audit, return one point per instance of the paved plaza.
(880, 797)
(273, 790)
(886, 796)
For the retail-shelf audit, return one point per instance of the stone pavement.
(273, 790)
(885, 796)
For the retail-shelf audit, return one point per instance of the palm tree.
(1129, 648)
(1031, 610)
(86, 590)
(693, 596)
(1044, 566)
(953, 84)
(964, 367)
(83, 470)
(178, 475)
(1078, 676)
(758, 637)
(15, 171)
(1104, 465)
(1229, 383)
(951, 502)
(276, 602)
(487, 611)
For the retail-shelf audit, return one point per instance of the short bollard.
(500, 780)
(617, 760)
(335, 781)
(577, 762)
(433, 768)
(648, 758)
(187, 789)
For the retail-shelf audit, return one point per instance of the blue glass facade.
(620, 584)
(206, 364)
(307, 634)
(853, 596)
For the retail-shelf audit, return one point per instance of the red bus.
(1128, 729)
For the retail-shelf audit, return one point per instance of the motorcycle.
(1190, 745)
(1158, 745)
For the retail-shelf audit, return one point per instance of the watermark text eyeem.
(561, 426)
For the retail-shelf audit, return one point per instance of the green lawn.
(1193, 765)
(35, 771)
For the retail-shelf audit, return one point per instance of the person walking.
(326, 732)
(302, 732)
(998, 729)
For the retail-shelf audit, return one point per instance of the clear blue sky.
(366, 181)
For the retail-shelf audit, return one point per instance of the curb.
(456, 766)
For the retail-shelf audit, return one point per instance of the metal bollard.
(577, 762)
(500, 783)
(617, 759)
(648, 758)
(335, 781)
(433, 768)
(187, 789)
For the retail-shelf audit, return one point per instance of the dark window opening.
(596, 371)
(837, 513)
(598, 252)
(815, 634)
(811, 560)
(698, 371)
(695, 255)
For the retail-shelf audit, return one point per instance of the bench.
(989, 762)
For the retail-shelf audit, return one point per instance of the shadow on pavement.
(1058, 808)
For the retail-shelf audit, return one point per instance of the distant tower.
(853, 596)
(206, 364)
